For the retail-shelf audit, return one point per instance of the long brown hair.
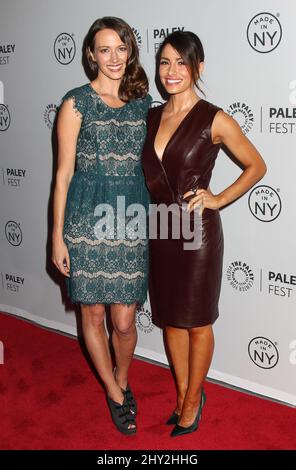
(134, 83)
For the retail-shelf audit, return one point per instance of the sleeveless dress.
(108, 258)
(184, 284)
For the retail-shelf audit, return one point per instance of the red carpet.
(50, 399)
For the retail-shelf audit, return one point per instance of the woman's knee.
(93, 315)
(124, 326)
(201, 331)
(123, 318)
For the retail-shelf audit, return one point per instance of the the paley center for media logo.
(243, 114)
(240, 276)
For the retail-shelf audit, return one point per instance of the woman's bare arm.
(68, 130)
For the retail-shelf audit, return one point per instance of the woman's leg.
(201, 347)
(178, 345)
(124, 339)
(97, 344)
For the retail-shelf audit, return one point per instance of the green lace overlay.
(112, 268)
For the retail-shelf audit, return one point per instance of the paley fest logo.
(159, 34)
(144, 320)
(264, 32)
(263, 352)
(13, 233)
(6, 50)
(64, 48)
(13, 282)
(280, 284)
(281, 119)
(50, 115)
(243, 114)
(265, 203)
(240, 276)
(13, 177)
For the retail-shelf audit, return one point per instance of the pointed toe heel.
(173, 419)
(181, 430)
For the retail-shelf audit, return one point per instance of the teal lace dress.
(105, 235)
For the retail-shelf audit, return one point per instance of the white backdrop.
(250, 72)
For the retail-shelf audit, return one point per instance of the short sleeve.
(149, 99)
(78, 99)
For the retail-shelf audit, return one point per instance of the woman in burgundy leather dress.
(184, 137)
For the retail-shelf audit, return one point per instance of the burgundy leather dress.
(184, 285)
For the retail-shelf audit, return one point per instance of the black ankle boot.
(122, 417)
(130, 399)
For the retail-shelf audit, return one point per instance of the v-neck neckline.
(175, 131)
(104, 102)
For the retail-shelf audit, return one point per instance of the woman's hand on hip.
(202, 198)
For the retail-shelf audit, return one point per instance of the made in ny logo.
(264, 32)
(64, 48)
(13, 233)
(4, 117)
(263, 352)
(265, 203)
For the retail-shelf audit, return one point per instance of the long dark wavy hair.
(190, 49)
(134, 83)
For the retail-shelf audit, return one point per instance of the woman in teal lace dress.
(102, 252)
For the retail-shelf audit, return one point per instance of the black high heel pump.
(180, 430)
(173, 419)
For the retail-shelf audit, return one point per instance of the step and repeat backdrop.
(251, 73)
